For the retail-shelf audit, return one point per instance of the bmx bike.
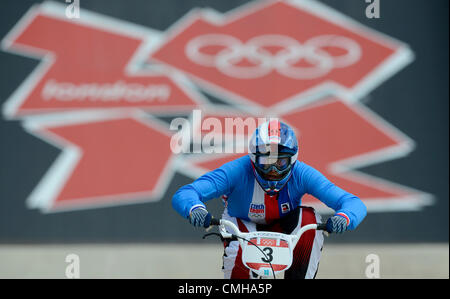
(267, 254)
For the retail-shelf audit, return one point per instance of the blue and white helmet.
(273, 149)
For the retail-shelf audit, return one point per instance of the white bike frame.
(265, 253)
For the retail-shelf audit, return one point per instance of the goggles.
(268, 163)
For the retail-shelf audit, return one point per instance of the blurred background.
(89, 89)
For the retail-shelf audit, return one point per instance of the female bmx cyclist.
(263, 191)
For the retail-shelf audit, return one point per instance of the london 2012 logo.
(98, 96)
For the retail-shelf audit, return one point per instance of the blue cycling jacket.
(235, 182)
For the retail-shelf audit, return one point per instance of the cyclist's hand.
(337, 224)
(200, 217)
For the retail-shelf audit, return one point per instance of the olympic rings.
(262, 61)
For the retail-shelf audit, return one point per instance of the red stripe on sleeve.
(345, 216)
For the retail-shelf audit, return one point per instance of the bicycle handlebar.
(320, 226)
(215, 221)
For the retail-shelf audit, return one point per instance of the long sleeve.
(210, 185)
(334, 197)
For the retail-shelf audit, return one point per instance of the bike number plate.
(277, 252)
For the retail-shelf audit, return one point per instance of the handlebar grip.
(322, 226)
(214, 221)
